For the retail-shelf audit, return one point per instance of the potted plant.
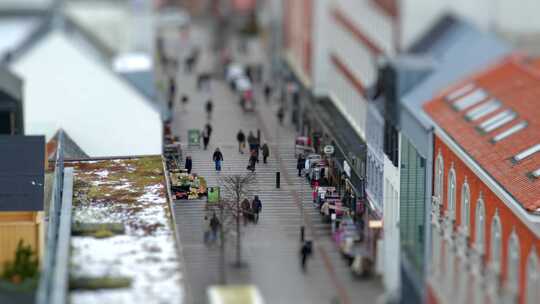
(19, 279)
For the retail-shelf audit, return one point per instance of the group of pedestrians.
(254, 148)
(251, 210)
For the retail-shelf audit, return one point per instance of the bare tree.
(234, 189)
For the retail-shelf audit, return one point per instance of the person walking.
(184, 100)
(218, 158)
(245, 207)
(305, 252)
(215, 224)
(206, 138)
(300, 164)
(208, 128)
(265, 152)
(256, 208)
(252, 141)
(267, 92)
(188, 164)
(280, 115)
(172, 92)
(209, 107)
(252, 161)
(241, 138)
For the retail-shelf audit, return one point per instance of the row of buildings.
(433, 119)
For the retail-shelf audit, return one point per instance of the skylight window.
(536, 173)
(483, 110)
(460, 92)
(524, 154)
(470, 99)
(497, 121)
(516, 128)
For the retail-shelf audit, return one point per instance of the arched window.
(452, 192)
(533, 278)
(496, 236)
(512, 279)
(439, 173)
(480, 224)
(465, 206)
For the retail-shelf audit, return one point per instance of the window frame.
(439, 177)
(465, 207)
(480, 229)
(451, 204)
(512, 265)
(496, 242)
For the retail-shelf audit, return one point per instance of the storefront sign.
(213, 195)
(194, 137)
(347, 168)
(375, 224)
(328, 149)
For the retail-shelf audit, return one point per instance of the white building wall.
(391, 245)
(66, 88)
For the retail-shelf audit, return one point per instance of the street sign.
(328, 149)
(213, 195)
(194, 137)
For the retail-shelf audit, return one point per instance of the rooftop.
(495, 118)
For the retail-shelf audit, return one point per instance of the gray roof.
(458, 49)
(461, 50)
(10, 84)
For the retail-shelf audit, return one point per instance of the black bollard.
(302, 233)
(277, 179)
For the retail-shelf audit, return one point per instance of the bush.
(24, 267)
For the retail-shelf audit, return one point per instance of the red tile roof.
(515, 82)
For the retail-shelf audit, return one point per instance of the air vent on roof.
(483, 110)
(497, 121)
(460, 92)
(536, 173)
(470, 99)
(524, 154)
(514, 129)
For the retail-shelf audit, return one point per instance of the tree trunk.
(222, 271)
(238, 237)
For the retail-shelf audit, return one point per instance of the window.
(483, 110)
(479, 227)
(439, 173)
(533, 279)
(465, 206)
(460, 92)
(452, 192)
(512, 279)
(524, 154)
(470, 99)
(497, 121)
(514, 129)
(496, 242)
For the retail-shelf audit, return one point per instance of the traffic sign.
(328, 149)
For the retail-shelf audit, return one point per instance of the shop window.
(533, 278)
(496, 243)
(451, 193)
(479, 226)
(465, 206)
(512, 279)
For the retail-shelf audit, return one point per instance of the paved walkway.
(271, 248)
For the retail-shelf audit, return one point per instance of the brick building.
(486, 200)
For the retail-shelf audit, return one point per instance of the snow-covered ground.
(130, 192)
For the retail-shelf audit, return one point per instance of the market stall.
(187, 186)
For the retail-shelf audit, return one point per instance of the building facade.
(484, 220)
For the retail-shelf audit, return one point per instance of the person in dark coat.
(188, 164)
(245, 206)
(172, 92)
(208, 129)
(265, 151)
(241, 138)
(217, 158)
(300, 164)
(209, 107)
(252, 141)
(305, 252)
(215, 224)
(185, 100)
(256, 208)
(206, 138)
(280, 115)
(252, 161)
(267, 92)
